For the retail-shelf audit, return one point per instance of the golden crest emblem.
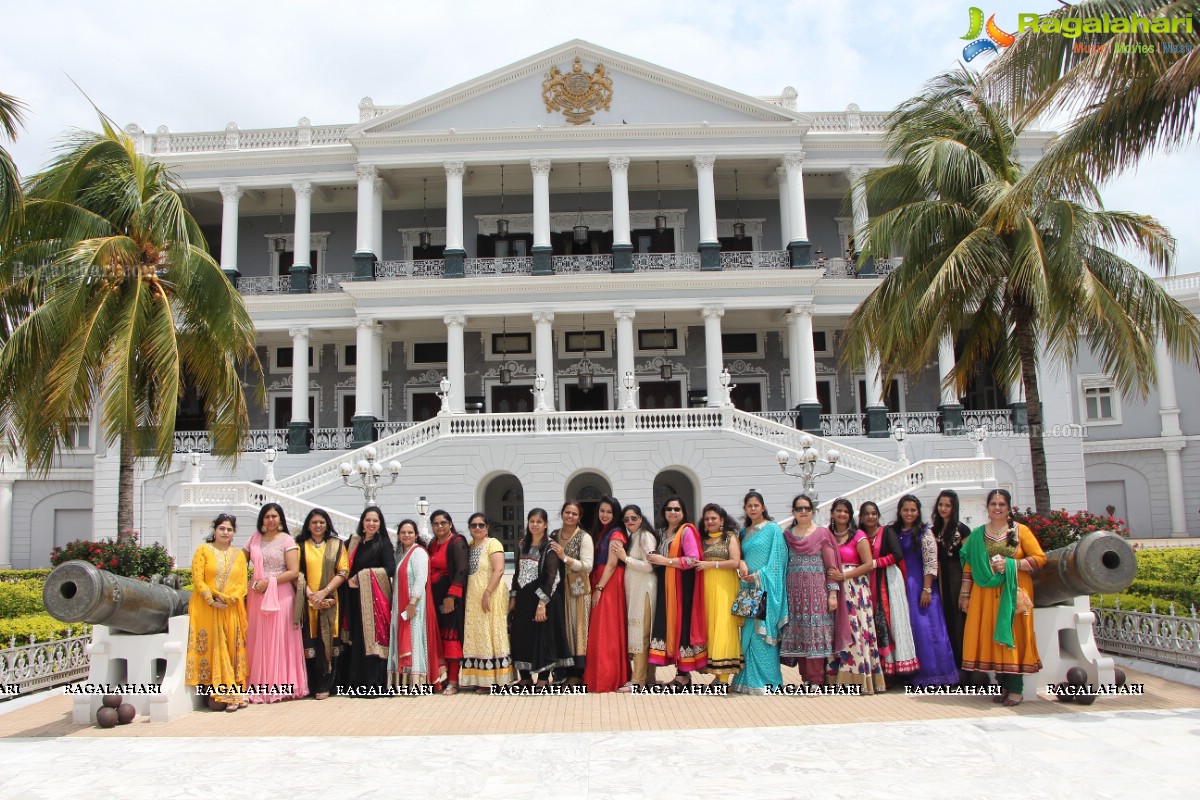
(577, 94)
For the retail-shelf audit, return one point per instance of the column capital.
(302, 188)
(804, 308)
(540, 166)
(299, 332)
(454, 169)
(618, 163)
(365, 323)
(231, 192)
(455, 320)
(365, 172)
(793, 160)
(624, 313)
(543, 316)
(378, 184)
(856, 173)
(781, 174)
(704, 163)
(713, 312)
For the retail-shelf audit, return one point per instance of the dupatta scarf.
(270, 598)
(821, 542)
(374, 602)
(326, 617)
(674, 587)
(766, 555)
(400, 649)
(975, 555)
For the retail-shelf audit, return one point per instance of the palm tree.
(1014, 281)
(111, 299)
(1125, 105)
(11, 121)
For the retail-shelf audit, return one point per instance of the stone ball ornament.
(111, 700)
(126, 713)
(106, 717)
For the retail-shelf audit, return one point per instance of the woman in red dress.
(607, 666)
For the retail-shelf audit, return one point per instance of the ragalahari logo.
(996, 38)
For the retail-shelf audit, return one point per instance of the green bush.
(1178, 565)
(1182, 596)
(43, 626)
(20, 598)
(121, 557)
(15, 575)
(1062, 528)
(1129, 602)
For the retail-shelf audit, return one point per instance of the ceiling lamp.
(424, 238)
(660, 219)
(585, 366)
(665, 371)
(279, 243)
(581, 230)
(505, 372)
(739, 227)
(502, 223)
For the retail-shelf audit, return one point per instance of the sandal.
(232, 707)
(1000, 698)
(1011, 703)
(321, 696)
(626, 689)
(450, 690)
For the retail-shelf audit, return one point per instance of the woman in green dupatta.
(999, 560)
(764, 564)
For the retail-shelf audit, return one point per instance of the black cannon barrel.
(77, 591)
(1099, 563)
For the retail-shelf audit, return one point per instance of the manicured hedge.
(1178, 565)
(44, 626)
(1184, 597)
(14, 575)
(21, 597)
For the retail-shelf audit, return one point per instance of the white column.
(544, 352)
(6, 499)
(366, 208)
(377, 221)
(377, 361)
(793, 163)
(873, 380)
(858, 205)
(364, 395)
(624, 319)
(1168, 412)
(707, 193)
(541, 203)
(454, 204)
(230, 195)
(619, 167)
(794, 347)
(946, 363)
(785, 212)
(714, 357)
(302, 239)
(299, 374)
(455, 361)
(808, 357)
(1016, 392)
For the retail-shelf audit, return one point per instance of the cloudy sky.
(263, 63)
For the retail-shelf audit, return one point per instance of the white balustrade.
(483, 267)
(329, 281)
(929, 472)
(258, 139)
(38, 665)
(243, 494)
(582, 264)
(332, 438)
(916, 421)
(756, 259)
(996, 421)
(843, 424)
(421, 268)
(666, 262)
(1152, 635)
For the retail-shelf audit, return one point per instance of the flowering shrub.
(1061, 528)
(122, 556)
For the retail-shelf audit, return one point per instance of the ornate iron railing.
(329, 281)
(332, 438)
(38, 665)
(843, 424)
(665, 262)
(1166, 638)
(383, 429)
(421, 268)
(265, 284)
(838, 268)
(575, 265)
(485, 267)
(756, 259)
(997, 421)
(917, 421)
(782, 417)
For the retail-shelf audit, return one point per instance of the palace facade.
(577, 275)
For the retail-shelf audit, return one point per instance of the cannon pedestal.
(1065, 640)
(154, 659)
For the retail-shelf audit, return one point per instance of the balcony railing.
(421, 268)
(488, 267)
(756, 259)
(843, 424)
(576, 265)
(265, 284)
(665, 262)
(917, 421)
(997, 421)
(328, 282)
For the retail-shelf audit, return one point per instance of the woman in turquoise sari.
(764, 563)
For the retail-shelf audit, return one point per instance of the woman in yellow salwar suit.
(999, 560)
(216, 655)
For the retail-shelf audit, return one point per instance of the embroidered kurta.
(413, 649)
(368, 616)
(274, 643)
(980, 650)
(448, 578)
(859, 664)
(538, 647)
(487, 658)
(579, 552)
(766, 556)
(608, 657)
(216, 654)
(680, 633)
(813, 631)
(724, 629)
(937, 667)
(890, 598)
(641, 586)
(950, 572)
(320, 564)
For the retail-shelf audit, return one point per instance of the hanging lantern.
(585, 366)
(279, 243)
(660, 219)
(505, 372)
(739, 227)
(502, 223)
(665, 372)
(581, 230)
(424, 238)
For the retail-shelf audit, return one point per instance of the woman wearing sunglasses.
(680, 633)
(487, 657)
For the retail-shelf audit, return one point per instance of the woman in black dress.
(951, 535)
(367, 619)
(449, 557)
(539, 634)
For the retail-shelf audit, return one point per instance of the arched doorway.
(669, 482)
(587, 488)
(504, 504)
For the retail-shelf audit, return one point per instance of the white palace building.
(578, 275)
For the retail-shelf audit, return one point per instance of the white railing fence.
(1166, 638)
(39, 665)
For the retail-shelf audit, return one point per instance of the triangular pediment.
(615, 89)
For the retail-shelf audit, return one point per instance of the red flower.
(114, 562)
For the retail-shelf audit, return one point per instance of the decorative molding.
(711, 312)
(743, 367)
(618, 163)
(365, 172)
(539, 166)
(624, 313)
(231, 193)
(454, 320)
(578, 94)
(545, 317)
(794, 160)
(704, 163)
(454, 169)
(302, 188)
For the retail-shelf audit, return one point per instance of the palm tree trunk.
(125, 486)
(1033, 400)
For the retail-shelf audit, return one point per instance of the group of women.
(856, 603)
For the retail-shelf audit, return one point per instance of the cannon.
(1099, 563)
(81, 592)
